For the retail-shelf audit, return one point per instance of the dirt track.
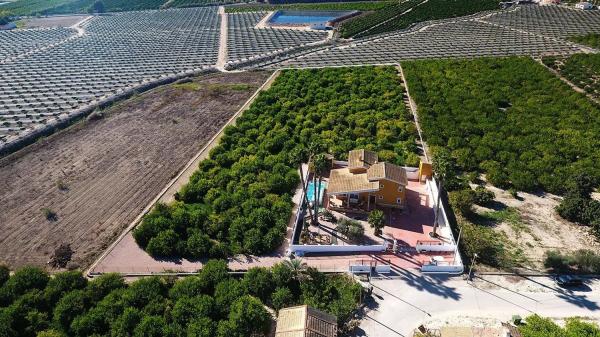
(97, 176)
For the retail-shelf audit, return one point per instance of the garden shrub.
(483, 196)
(462, 200)
(537, 326)
(239, 200)
(578, 204)
(582, 260)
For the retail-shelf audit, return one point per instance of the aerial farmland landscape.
(300, 168)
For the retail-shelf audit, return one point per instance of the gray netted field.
(527, 30)
(49, 74)
(245, 41)
(116, 52)
(550, 20)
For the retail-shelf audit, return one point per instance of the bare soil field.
(98, 175)
(537, 227)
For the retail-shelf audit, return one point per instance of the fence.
(434, 246)
(441, 267)
(302, 249)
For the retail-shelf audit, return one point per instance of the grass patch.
(590, 40)
(510, 216)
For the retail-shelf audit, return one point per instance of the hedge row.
(433, 10)
(389, 19)
(211, 304)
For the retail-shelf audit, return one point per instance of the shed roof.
(361, 158)
(344, 181)
(304, 321)
(387, 171)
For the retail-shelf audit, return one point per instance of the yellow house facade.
(366, 183)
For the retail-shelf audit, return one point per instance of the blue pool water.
(310, 191)
(305, 17)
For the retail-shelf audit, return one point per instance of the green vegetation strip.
(537, 326)
(358, 6)
(211, 303)
(362, 23)
(583, 70)
(239, 200)
(590, 40)
(509, 118)
(389, 19)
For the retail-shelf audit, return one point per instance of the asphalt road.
(402, 303)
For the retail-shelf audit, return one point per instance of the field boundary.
(187, 170)
(413, 109)
(565, 80)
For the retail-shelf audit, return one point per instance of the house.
(367, 182)
(304, 321)
(584, 5)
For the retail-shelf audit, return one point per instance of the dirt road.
(97, 176)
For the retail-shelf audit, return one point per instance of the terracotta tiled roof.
(387, 171)
(303, 321)
(361, 158)
(344, 181)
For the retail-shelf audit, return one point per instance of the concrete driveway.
(405, 301)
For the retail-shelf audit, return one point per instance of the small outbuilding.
(304, 321)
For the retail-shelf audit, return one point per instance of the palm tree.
(320, 165)
(298, 269)
(297, 157)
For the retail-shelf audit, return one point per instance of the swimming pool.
(308, 18)
(310, 192)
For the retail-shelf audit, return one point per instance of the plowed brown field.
(98, 175)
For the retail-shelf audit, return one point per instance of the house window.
(400, 188)
(380, 196)
(398, 200)
(381, 186)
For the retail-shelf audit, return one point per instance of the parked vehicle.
(568, 281)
